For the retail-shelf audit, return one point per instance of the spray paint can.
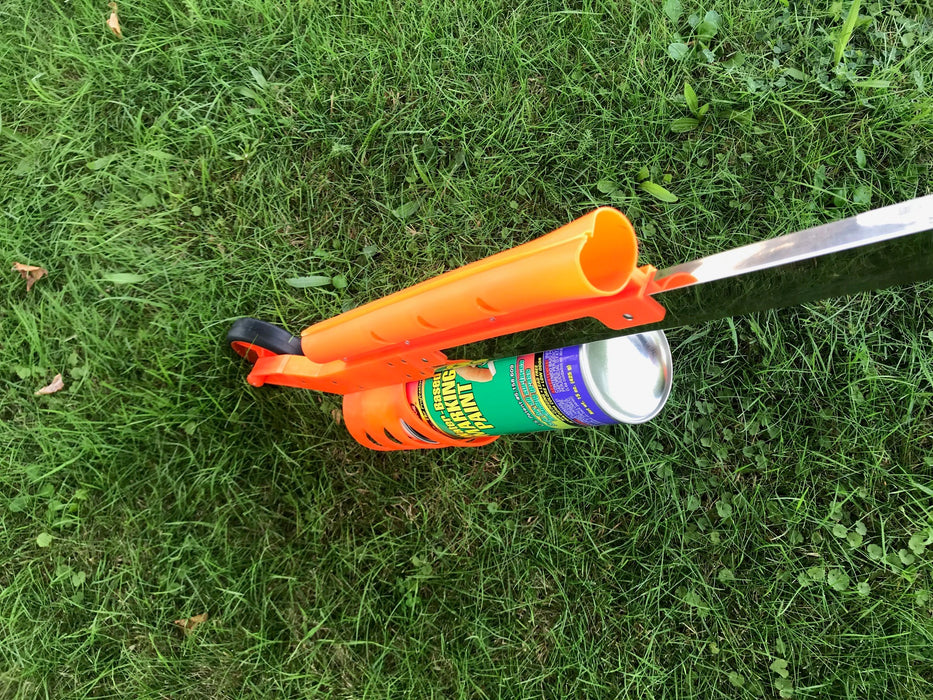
(620, 380)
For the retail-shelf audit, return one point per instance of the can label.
(565, 384)
(525, 393)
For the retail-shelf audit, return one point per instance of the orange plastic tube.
(589, 258)
(402, 362)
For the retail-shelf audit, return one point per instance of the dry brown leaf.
(56, 385)
(114, 21)
(189, 623)
(337, 415)
(30, 273)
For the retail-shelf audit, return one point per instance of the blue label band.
(565, 384)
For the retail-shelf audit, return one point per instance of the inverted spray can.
(620, 380)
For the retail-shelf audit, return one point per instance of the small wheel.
(253, 339)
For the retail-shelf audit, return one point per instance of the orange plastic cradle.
(586, 268)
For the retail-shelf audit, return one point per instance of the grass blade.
(845, 34)
(310, 281)
(407, 209)
(123, 278)
(693, 104)
(684, 124)
(658, 192)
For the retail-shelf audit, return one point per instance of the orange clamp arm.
(586, 268)
(593, 256)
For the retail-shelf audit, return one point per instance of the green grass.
(223, 147)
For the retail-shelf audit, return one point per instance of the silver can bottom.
(630, 377)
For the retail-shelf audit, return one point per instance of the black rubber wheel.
(252, 339)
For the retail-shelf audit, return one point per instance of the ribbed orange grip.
(591, 257)
(382, 419)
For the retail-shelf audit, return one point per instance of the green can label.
(526, 393)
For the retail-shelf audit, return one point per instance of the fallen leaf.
(337, 415)
(190, 623)
(56, 385)
(114, 21)
(30, 273)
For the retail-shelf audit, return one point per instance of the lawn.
(769, 534)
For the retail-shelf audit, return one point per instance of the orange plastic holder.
(383, 419)
(586, 268)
